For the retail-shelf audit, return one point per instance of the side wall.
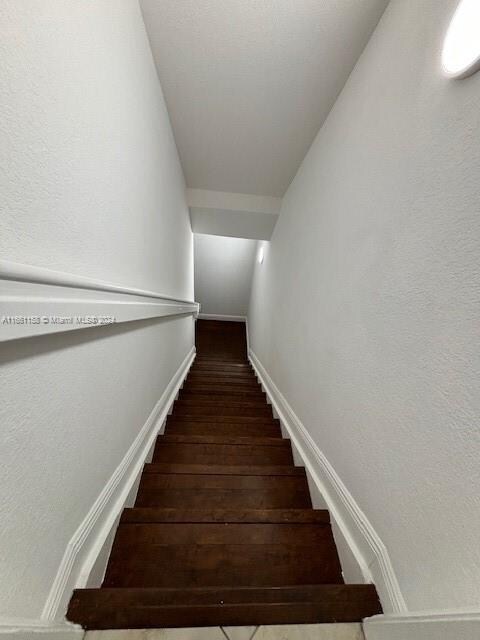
(365, 310)
(91, 185)
(223, 274)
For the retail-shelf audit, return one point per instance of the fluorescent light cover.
(261, 255)
(461, 47)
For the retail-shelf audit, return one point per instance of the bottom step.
(204, 607)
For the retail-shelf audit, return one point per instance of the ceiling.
(248, 83)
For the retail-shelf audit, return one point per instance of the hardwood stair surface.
(222, 531)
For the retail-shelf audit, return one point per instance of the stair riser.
(232, 376)
(230, 393)
(216, 419)
(301, 535)
(224, 440)
(219, 373)
(221, 454)
(208, 400)
(157, 481)
(222, 430)
(229, 565)
(137, 515)
(224, 498)
(208, 410)
(211, 381)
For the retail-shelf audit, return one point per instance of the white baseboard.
(88, 540)
(366, 546)
(213, 316)
(21, 629)
(454, 625)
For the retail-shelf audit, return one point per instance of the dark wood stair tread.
(191, 392)
(238, 402)
(153, 514)
(223, 429)
(223, 491)
(229, 454)
(227, 409)
(228, 564)
(232, 440)
(235, 419)
(157, 608)
(224, 470)
(166, 534)
(197, 376)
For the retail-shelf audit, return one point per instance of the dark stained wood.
(230, 393)
(220, 453)
(163, 608)
(222, 492)
(224, 470)
(219, 380)
(235, 440)
(219, 403)
(234, 419)
(152, 514)
(221, 340)
(262, 565)
(219, 533)
(223, 429)
(221, 409)
(222, 531)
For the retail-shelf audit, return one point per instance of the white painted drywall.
(90, 184)
(249, 83)
(365, 311)
(223, 274)
(237, 215)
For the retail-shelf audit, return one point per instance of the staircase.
(223, 531)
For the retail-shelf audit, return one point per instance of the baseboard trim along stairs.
(222, 532)
(363, 541)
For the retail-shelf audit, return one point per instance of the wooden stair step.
(230, 482)
(155, 514)
(219, 366)
(207, 491)
(163, 608)
(224, 470)
(139, 535)
(244, 454)
(217, 361)
(211, 565)
(210, 400)
(240, 367)
(225, 392)
(222, 372)
(212, 419)
(199, 378)
(222, 428)
(226, 409)
(233, 440)
(206, 374)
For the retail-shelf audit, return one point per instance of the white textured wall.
(90, 184)
(365, 311)
(223, 274)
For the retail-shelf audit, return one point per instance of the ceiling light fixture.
(461, 47)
